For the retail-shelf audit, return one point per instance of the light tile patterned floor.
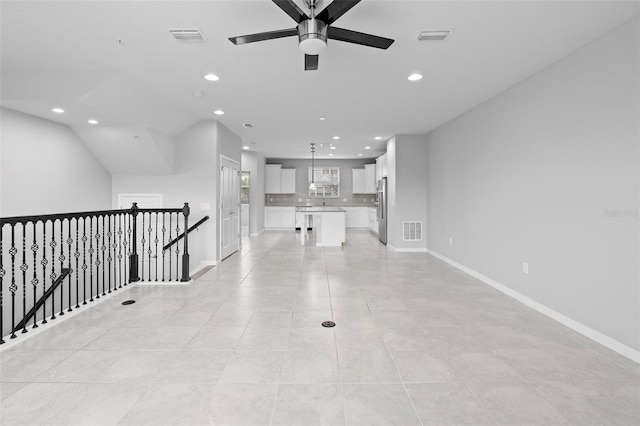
(416, 343)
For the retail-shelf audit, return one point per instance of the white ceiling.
(64, 53)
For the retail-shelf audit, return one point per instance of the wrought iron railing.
(78, 257)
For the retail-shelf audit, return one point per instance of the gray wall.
(253, 163)
(46, 168)
(406, 182)
(302, 168)
(532, 176)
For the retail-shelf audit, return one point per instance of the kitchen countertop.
(320, 209)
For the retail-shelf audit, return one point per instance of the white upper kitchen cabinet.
(288, 179)
(370, 179)
(358, 183)
(273, 178)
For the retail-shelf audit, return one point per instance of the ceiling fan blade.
(358, 38)
(311, 62)
(336, 9)
(291, 9)
(270, 35)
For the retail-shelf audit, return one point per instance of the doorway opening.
(245, 181)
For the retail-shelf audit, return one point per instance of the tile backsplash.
(302, 199)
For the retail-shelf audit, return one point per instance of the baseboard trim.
(255, 234)
(411, 250)
(203, 264)
(586, 331)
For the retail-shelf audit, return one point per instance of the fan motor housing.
(312, 36)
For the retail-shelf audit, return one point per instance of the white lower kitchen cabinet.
(357, 217)
(280, 218)
(373, 220)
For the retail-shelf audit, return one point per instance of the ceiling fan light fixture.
(312, 36)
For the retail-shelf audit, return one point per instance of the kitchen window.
(327, 181)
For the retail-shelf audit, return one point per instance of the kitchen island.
(328, 224)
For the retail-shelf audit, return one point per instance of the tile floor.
(417, 342)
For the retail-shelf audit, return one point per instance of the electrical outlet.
(364, 200)
(525, 267)
(270, 200)
(450, 241)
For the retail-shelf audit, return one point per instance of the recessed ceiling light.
(322, 118)
(211, 77)
(330, 155)
(218, 112)
(360, 155)
(378, 138)
(57, 110)
(333, 147)
(335, 138)
(92, 121)
(415, 77)
(245, 147)
(367, 147)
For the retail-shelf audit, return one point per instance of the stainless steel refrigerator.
(382, 210)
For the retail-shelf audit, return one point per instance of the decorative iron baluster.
(109, 258)
(127, 225)
(44, 263)
(13, 287)
(103, 248)
(177, 247)
(69, 244)
(91, 259)
(119, 250)
(52, 275)
(24, 267)
(76, 254)
(164, 228)
(34, 280)
(170, 239)
(84, 260)
(61, 258)
(97, 237)
(114, 246)
(149, 251)
(142, 250)
(2, 272)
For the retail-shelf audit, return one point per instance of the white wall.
(45, 168)
(532, 175)
(195, 182)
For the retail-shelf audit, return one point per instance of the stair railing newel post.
(133, 259)
(185, 254)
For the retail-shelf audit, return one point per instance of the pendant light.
(312, 186)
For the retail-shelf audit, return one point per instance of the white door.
(229, 206)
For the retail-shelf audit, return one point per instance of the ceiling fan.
(313, 30)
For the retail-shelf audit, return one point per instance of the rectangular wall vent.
(412, 231)
(187, 34)
(434, 35)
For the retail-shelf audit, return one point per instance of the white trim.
(592, 334)
(9, 343)
(411, 250)
(164, 282)
(255, 234)
(203, 264)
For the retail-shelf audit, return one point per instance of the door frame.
(222, 156)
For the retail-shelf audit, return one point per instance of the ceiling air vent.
(187, 34)
(434, 35)
(247, 126)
